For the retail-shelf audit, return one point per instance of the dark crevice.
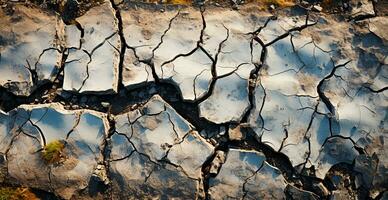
(213, 68)
(123, 45)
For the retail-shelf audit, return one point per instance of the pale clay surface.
(318, 98)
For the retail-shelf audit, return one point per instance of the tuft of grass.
(16, 193)
(52, 152)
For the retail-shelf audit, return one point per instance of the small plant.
(52, 152)
(16, 193)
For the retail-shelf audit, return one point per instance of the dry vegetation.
(16, 193)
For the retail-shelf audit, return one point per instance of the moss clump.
(16, 193)
(52, 152)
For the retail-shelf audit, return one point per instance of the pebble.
(218, 160)
(317, 8)
(235, 133)
(105, 104)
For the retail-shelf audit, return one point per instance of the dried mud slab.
(27, 131)
(30, 52)
(155, 148)
(94, 52)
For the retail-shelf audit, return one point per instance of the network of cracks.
(194, 103)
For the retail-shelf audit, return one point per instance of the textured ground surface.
(154, 101)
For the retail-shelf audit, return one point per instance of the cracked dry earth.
(194, 103)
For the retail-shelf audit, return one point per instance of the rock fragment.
(376, 26)
(360, 8)
(219, 159)
(235, 133)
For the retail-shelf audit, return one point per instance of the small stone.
(235, 133)
(222, 130)
(100, 174)
(213, 141)
(162, 10)
(272, 7)
(217, 162)
(317, 8)
(105, 104)
(374, 194)
(185, 12)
